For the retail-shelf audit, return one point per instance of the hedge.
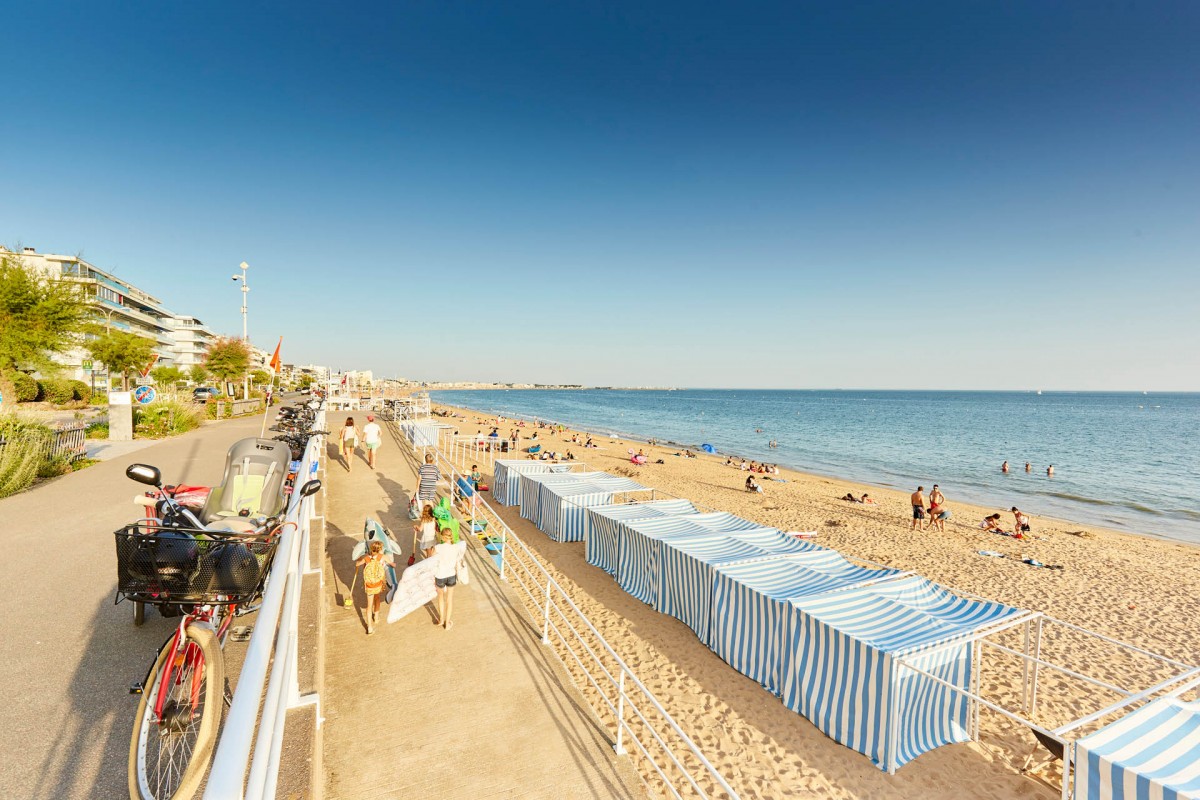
(55, 391)
(81, 391)
(26, 386)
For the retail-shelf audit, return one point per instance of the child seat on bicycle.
(255, 470)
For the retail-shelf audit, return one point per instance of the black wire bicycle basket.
(163, 565)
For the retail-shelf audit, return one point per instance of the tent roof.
(902, 615)
(645, 510)
(813, 572)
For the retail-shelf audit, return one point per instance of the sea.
(1128, 461)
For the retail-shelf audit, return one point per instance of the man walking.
(428, 476)
(918, 504)
(372, 438)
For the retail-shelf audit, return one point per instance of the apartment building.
(180, 340)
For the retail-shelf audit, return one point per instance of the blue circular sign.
(144, 394)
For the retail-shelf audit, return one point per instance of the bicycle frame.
(187, 653)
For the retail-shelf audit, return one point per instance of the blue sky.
(940, 195)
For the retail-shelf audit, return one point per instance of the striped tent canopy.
(638, 543)
(750, 609)
(600, 530)
(531, 489)
(684, 575)
(562, 513)
(506, 480)
(1153, 752)
(725, 522)
(843, 674)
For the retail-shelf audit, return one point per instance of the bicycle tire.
(139, 613)
(185, 767)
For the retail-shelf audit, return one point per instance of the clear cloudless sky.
(804, 195)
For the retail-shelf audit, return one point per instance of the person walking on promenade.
(425, 532)
(938, 513)
(428, 476)
(374, 564)
(918, 504)
(349, 441)
(447, 556)
(372, 438)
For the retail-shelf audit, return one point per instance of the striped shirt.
(429, 475)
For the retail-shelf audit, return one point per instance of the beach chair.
(252, 485)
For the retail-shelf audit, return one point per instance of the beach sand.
(1137, 589)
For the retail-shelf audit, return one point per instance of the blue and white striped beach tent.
(843, 674)
(600, 531)
(638, 543)
(1153, 752)
(725, 522)
(563, 507)
(531, 490)
(684, 575)
(506, 481)
(750, 609)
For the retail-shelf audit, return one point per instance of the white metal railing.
(638, 719)
(275, 644)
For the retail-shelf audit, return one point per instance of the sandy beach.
(1134, 588)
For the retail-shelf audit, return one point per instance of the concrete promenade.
(415, 711)
(69, 654)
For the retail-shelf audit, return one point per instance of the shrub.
(55, 391)
(81, 391)
(167, 417)
(22, 454)
(97, 430)
(26, 386)
(53, 467)
(210, 408)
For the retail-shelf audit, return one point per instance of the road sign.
(87, 366)
(144, 394)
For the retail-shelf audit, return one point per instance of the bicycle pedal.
(136, 687)
(241, 633)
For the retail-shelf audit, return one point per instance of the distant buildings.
(179, 340)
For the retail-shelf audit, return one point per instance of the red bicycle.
(213, 574)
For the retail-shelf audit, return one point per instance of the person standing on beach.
(428, 476)
(372, 438)
(938, 513)
(918, 504)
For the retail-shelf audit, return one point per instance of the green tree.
(167, 377)
(198, 373)
(228, 359)
(39, 316)
(306, 380)
(121, 352)
(260, 377)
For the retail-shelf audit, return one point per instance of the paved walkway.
(69, 653)
(481, 711)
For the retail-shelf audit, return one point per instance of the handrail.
(273, 640)
(542, 592)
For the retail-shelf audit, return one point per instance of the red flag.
(275, 358)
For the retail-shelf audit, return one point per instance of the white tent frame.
(1032, 663)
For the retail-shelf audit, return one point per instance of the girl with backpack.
(374, 563)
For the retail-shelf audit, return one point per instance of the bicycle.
(215, 574)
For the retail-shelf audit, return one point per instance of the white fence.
(274, 644)
(637, 721)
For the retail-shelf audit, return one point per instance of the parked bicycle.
(214, 572)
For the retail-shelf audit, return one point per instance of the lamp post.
(245, 329)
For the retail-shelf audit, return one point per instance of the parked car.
(201, 393)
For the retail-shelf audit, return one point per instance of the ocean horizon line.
(614, 388)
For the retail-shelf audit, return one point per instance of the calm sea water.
(1121, 460)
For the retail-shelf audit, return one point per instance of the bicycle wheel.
(169, 757)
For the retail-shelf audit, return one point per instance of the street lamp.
(245, 329)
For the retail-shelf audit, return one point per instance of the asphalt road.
(68, 654)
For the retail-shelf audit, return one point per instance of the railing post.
(619, 747)
(503, 548)
(546, 618)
